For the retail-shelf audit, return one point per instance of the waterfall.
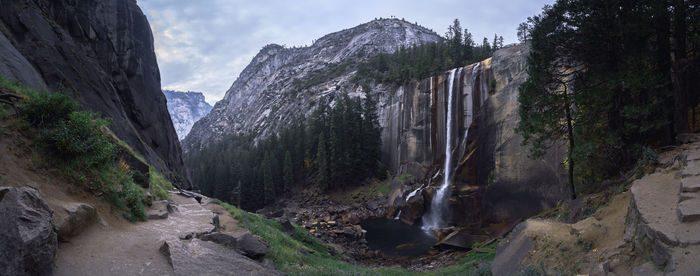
(414, 192)
(434, 218)
(397, 215)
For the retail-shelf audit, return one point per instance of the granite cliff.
(281, 83)
(185, 109)
(100, 53)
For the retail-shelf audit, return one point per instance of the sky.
(204, 45)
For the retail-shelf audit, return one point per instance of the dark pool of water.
(396, 238)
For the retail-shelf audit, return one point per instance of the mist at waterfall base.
(395, 238)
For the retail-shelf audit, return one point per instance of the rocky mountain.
(101, 53)
(281, 83)
(185, 109)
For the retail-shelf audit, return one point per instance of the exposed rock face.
(496, 181)
(281, 83)
(101, 53)
(28, 241)
(185, 108)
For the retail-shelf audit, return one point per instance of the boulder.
(73, 218)
(413, 210)
(28, 241)
(192, 257)
(221, 238)
(158, 210)
(252, 246)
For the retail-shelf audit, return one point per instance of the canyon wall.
(496, 180)
(100, 53)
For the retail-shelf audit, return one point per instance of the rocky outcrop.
(281, 83)
(185, 108)
(28, 241)
(101, 53)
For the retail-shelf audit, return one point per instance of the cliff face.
(281, 83)
(101, 53)
(496, 180)
(185, 108)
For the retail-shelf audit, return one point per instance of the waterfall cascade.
(434, 218)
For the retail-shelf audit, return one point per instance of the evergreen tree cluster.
(424, 60)
(335, 148)
(613, 78)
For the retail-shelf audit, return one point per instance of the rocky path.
(165, 246)
(665, 213)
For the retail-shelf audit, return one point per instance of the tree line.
(612, 78)
(424, 60)
(335, 148)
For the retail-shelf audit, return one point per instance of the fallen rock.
(73, 219)
(252, 246)
(197, 257)
(221, 238)
(28, 242)
(460, 239)
(158, 210)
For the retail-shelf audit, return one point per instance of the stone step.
(691, 169)
(688, 196)
(692, 155)
(689, 210)
(690, 184)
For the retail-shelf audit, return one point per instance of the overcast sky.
(203, 45)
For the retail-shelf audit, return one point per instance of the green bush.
(48, 109)
(134, 196)
(81, 140)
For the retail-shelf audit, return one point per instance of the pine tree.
(288, 172)
(322, 155)
(268, 182)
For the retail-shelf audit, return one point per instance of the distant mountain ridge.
(185, 109)
(282, 83)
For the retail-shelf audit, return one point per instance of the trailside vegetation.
(613, 79)
(337, 147)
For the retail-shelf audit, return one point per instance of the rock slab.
(197, 257)
(28, 241)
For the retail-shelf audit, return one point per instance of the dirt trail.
(131, 248)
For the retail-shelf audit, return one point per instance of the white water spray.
(434, 218)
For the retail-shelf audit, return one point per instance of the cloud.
(204, 45)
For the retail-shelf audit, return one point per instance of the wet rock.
(73, 218)
(28, 242)
(460, 239)
(196, 256)
(413, 210)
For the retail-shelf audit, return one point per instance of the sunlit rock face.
(281, 84)
(101, 53)
(185, 108)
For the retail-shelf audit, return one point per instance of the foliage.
(159, 185)
(48, 109)
(78, 144)
(80, 140)
(625, 92)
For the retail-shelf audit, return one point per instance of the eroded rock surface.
(28, 241)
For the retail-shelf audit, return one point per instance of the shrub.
(80, 139)
(133, 196)
(48, 109)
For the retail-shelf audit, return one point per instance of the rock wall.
(101, 53)
(496, 180)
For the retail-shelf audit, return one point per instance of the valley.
(381, 148)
